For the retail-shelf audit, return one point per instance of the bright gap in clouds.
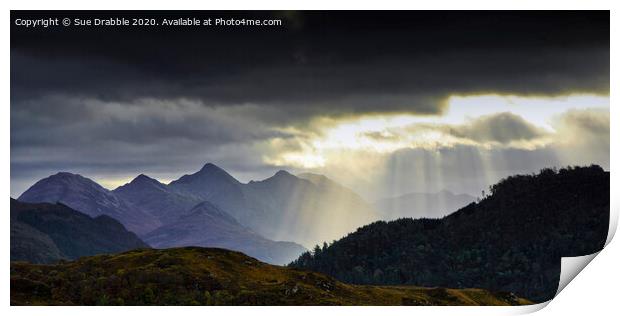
(536, 110)
(383, 134)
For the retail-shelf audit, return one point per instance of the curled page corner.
(613, 221)
(528, 309)
(571, 266)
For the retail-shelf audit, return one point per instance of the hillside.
(46, 233)
(512, 240)
(206, 225)
(211, 276)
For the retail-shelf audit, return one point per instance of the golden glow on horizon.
(113, 183)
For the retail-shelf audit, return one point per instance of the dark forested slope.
(45, 233)
(512, 240)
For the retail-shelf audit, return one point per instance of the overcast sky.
(386, 103)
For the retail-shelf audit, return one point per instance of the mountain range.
(512, 240)
(282, 207)
(156, 199)
(216, 210)
(46, 233)
(155, 211)
(90, 198)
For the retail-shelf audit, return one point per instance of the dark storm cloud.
(159, 137)
(114, 100)
(143, 121)
(360, 61)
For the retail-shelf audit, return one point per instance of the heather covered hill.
(211, 276)
(46, 233)
(512, 240)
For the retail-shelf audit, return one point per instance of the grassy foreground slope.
(211, 276)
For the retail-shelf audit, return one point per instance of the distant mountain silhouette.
(282, 207)
(297, 209)
(207, 225)
(208, 183)
(512, 240)
(422, 205)
(88, 197)
(155, 211)
(156, 199)
(323, 181)
(213, 184)
(45, 233)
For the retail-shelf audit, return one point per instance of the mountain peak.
(281, 177)
(142, 178)
(210, 167)
(283, 173)
(209, 172)
(66, 179)
(64, 175)
(140, 182)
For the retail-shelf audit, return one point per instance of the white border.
(594, 290)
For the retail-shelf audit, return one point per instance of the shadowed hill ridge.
(45, 233)
(512, 240)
